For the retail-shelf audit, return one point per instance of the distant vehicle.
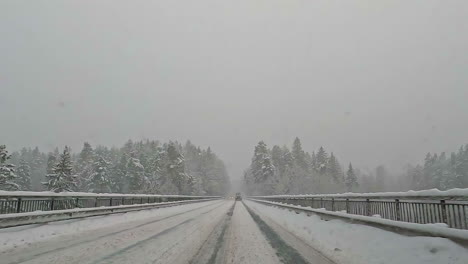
(238, 197)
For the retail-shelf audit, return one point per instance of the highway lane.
(221, 231)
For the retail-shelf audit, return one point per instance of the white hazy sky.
(373, 81)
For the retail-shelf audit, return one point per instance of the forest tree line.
(148, 167)
(281, 170)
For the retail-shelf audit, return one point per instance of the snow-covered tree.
(7, 171)
(299, 155)
(23, 172)
(119, 172)
(176, 169)
(334, 169)
(99, 181)
(135, 175)
(351, 179)
(62, 178)
(262, 166)
(85, 166)
(321, 158)
(51, 162)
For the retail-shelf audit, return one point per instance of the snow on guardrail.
(434, 193)
(85, 194)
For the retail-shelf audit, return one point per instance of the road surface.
(221, 231)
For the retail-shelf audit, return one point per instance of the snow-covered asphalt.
(221, 231)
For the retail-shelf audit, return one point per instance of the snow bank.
(457, 192)
(356, 244)
(18, 236)
(437, 229)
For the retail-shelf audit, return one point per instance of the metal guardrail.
(19, 219)
(11, 203)
(403, 228)
(452, 211)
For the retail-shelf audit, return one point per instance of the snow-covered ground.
(19, 236)
(357, 244)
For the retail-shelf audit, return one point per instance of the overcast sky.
(376, 82)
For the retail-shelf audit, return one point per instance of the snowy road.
(221, 231)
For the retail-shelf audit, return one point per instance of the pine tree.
(119, 171)
(24, 176)
(176, 168)
(7, 171)
(62, 178)
(262, 166)
(51, 162)
(299, 154)
(334, 169)
(87, 154)
(322, 158)
(313, 161)
(99, 180)
(351, 179)
(416, 175)
(85, 166)
(135, 175)
(38, 168)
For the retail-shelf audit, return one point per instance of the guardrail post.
(333, 204)
(347, 205)
(312, 202)
(96, 202)
(444, 211)
(123, 200)
(77, 202)
(397, 209)
(368, 211)
(18, 205)
(321, 202)
(110, 202)
(52, 204)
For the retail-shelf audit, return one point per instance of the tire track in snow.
(209, 250)
(125, 250)
(109, 234)
(285, 253)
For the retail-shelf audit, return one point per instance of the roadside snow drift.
(357, 244)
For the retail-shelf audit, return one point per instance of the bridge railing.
(22, 202)
(451, 210)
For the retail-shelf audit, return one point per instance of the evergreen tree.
(99, 180)
(262, 166)
(85, 166)
(299, 155)
(24, 176)
(334, 169)
(62, 178)
(119, 171)
(351, 179)
(416, 175)
(51, 162)
(176, 168)
(86, 154)
(135, 175)
(322, 158)
(38, 166)
(7, 171)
